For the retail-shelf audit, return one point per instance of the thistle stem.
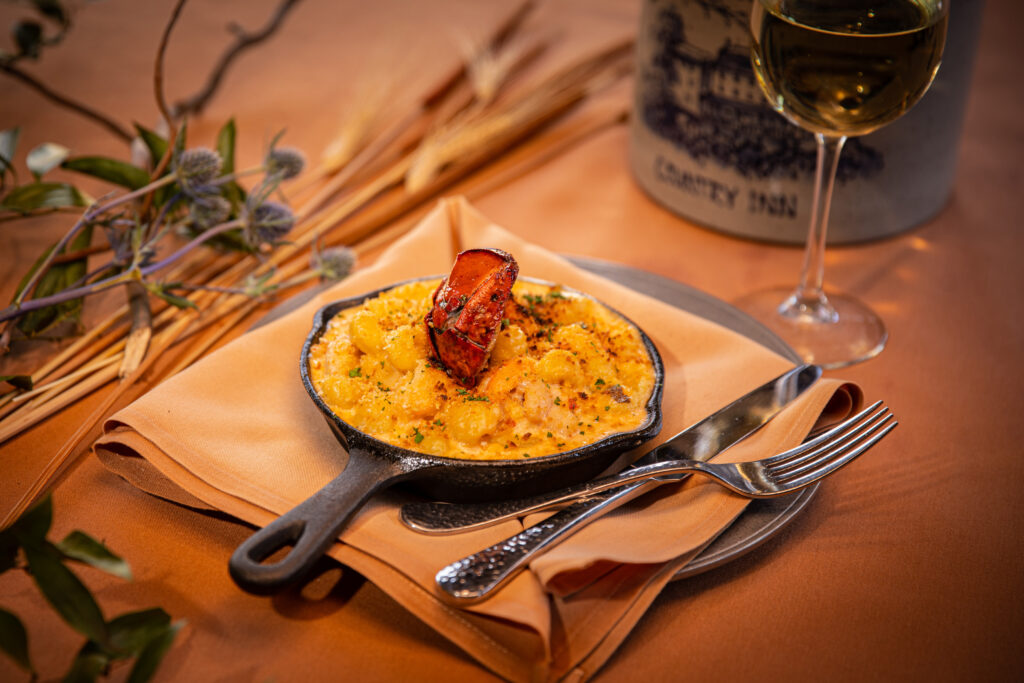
(134, 273)
(85, 218)
(153, 233)
(238, 174)
(134, 194)
(199, 239)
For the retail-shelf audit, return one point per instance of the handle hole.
(277, 555)
(273, 548)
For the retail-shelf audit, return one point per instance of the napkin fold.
(237, 433)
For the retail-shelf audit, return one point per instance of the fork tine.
(825, 440)
(845, 455)
(828, 454)
(796, 464)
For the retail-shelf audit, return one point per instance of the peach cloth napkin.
(237, 433)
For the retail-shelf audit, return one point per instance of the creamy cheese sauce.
(565, 372)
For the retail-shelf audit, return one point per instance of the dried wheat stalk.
(367, 214)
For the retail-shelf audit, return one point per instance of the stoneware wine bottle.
(705, 143)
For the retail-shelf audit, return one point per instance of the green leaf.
(88, 665)
(27, 198)
(65, 592)
(58, 278)
(156, 144)
(226, 146)
(33, 525)
(160, 290)
(130, 633)
(28, 36)
(14, 639)
(28, 276)
(8, 144)
(46, 157)
(151, 656)
(111, 170)
(232, 191)
(23, 382)
(84, 548)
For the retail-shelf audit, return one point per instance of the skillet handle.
(310, 527)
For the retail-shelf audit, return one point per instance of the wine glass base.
(848, 333)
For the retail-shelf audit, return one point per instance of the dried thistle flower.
(195, 168)
(267, 223)
(209, 210)
(285, 162)
(335, 264)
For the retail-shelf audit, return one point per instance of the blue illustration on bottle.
(707, 102)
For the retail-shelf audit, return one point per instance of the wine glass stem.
(809, 296)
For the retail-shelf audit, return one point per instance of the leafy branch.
(66, 102)
(193, 194)
(474, 130)
(244, 40)
(30, 38)
(144, 636)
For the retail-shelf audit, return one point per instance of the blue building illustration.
(708, 104)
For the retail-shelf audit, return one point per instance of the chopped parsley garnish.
(599, 381)
(417, 437)
(355, 372)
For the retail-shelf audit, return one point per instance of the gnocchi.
(564, 372)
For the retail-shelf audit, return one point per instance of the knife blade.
(700, 441)
(477, 576)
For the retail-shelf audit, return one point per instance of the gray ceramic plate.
(762, 518)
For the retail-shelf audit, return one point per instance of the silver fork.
(778, 471)
(476, 576)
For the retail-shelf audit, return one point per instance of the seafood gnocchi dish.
(481, 366)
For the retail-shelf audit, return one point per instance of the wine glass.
(837, 68)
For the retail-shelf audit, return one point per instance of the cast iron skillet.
(311, 527)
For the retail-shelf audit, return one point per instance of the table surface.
(907, 565)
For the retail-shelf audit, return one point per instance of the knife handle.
(475, 577)
(453, 518)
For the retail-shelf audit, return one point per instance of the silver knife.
(704, 439)
(475, 577)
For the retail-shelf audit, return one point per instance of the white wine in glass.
(837, 68)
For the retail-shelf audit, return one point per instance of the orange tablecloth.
(905, 566)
